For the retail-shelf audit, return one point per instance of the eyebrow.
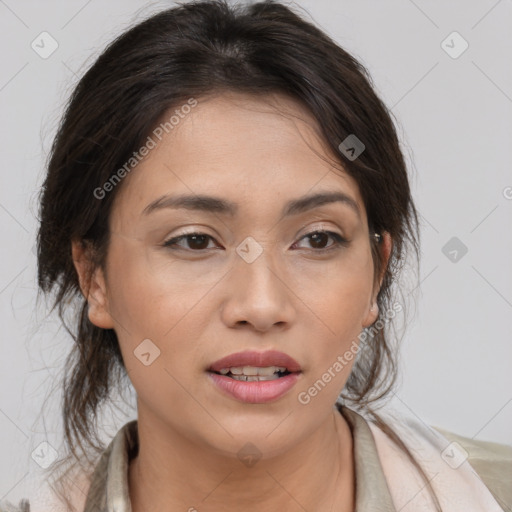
(222, 206)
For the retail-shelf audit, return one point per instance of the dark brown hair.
(194, 50)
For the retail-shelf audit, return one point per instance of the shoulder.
(23, 506)
(491, 461)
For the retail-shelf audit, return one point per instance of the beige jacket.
(492, 461)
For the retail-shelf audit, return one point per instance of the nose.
(258, 295)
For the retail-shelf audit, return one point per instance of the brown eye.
(319, 240)
(195, 241)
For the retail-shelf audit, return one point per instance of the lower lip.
(255, 392)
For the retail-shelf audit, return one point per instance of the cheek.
(156, 303)
(338, 300)
(148, 295)
(338, 293)
(155, 322)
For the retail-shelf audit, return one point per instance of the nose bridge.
(259, 294)
(256, 267)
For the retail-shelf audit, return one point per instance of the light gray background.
(454, 119)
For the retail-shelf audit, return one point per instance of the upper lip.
(257, 359)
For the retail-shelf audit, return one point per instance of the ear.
(93, 285)
(384, 248)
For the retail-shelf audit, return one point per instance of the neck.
(316, 475)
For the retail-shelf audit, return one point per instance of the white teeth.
(250, 378)
(253, 371)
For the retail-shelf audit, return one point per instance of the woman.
(227, 208)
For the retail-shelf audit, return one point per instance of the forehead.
(241, 147)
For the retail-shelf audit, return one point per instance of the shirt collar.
(109, 491)
(372, 492)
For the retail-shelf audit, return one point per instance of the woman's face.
(253, 281)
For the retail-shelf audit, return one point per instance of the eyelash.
(339, 241)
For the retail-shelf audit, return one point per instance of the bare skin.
(307, 297)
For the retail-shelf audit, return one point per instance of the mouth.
(254, 373)
(255, 377)
(268, 365)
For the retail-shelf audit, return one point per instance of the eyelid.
(167, 242)
(323, 226)
(309, 230)
(339, 240)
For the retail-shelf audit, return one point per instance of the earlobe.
(98, 309)
(371, 316)
(385, 247)
(93, 286)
